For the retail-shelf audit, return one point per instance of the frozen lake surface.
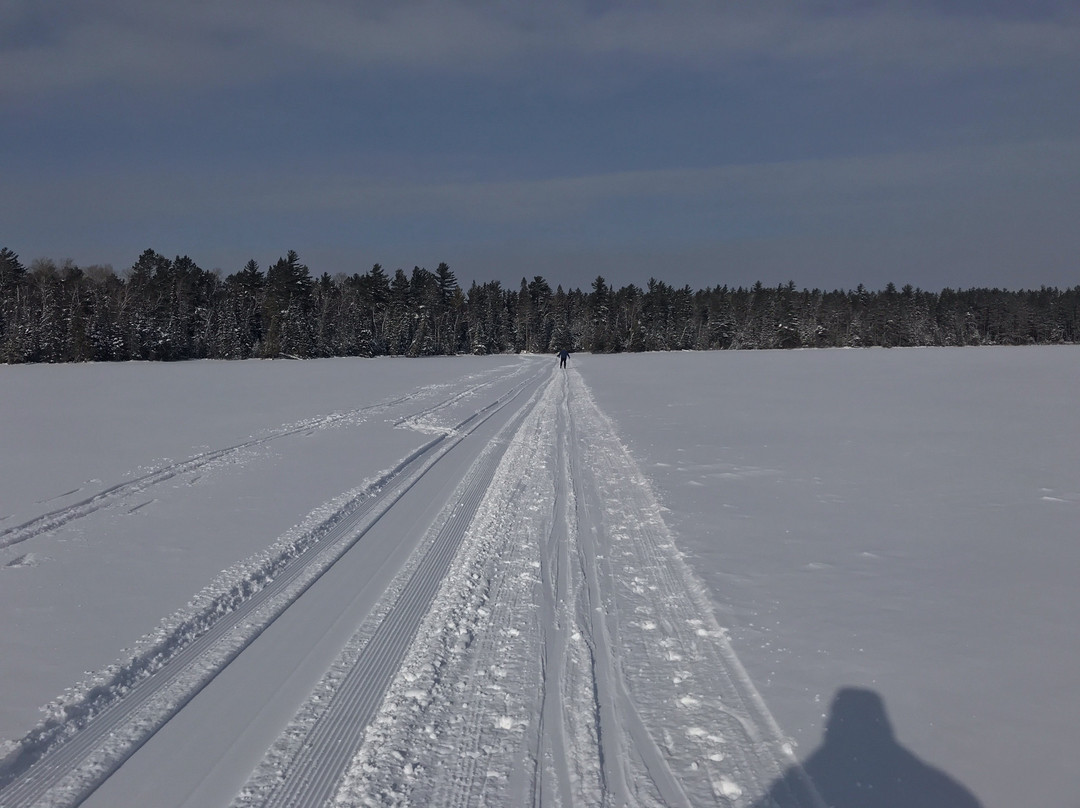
(657, 577)
(906, 521)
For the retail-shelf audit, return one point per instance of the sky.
(701, 143)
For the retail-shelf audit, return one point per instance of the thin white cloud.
(166, 45)
(868, 194)
(995, 215)
(813, 192)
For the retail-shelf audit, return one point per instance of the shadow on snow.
(861, 765)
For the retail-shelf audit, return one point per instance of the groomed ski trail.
(542, 643)
(111, 716)
(570, 657)
(303, 766)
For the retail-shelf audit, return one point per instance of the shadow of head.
(857, 718)
(860, 764)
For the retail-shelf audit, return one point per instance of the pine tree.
(246, 290)
(448, 310)
(287, 304)
(375, 298)
(598, 340)
(13, 294)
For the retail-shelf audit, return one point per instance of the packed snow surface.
(646, 580)
(905, 522)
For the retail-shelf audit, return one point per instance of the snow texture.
(903, 522)
(570, 657)
(487, 581)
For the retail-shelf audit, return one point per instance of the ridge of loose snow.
(299, 766)
(570, 657)
(93, 727)
(78, 705)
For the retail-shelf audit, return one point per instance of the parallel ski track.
(59, 517)
(485, 599)
(332, 742)
(551, 747)
(620, 728)
(735, 747)
(593, 671)
(74, 767)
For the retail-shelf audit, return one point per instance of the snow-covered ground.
(126, 488)
(487, 581)
(903, 521)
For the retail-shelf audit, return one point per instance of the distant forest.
(164, 309)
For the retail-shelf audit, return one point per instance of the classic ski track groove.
(67, 772)
(331, 742)
(622, 689)
(554, 571)
(621, 727)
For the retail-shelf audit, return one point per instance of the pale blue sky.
(699, 142)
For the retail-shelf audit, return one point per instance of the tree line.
(171, 309)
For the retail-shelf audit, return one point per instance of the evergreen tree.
(169, 310)
(539, 315)
(599, 340)
(245, 291)
(12, 272)
(287, 304)
(448, 311)
(13, 299)
(561, 337)
(375, 298)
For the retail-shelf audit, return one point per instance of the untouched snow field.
(647, 580)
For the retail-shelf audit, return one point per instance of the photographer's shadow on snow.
(861, 765)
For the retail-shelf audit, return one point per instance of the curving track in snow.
(502, 619)
(119, 493)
